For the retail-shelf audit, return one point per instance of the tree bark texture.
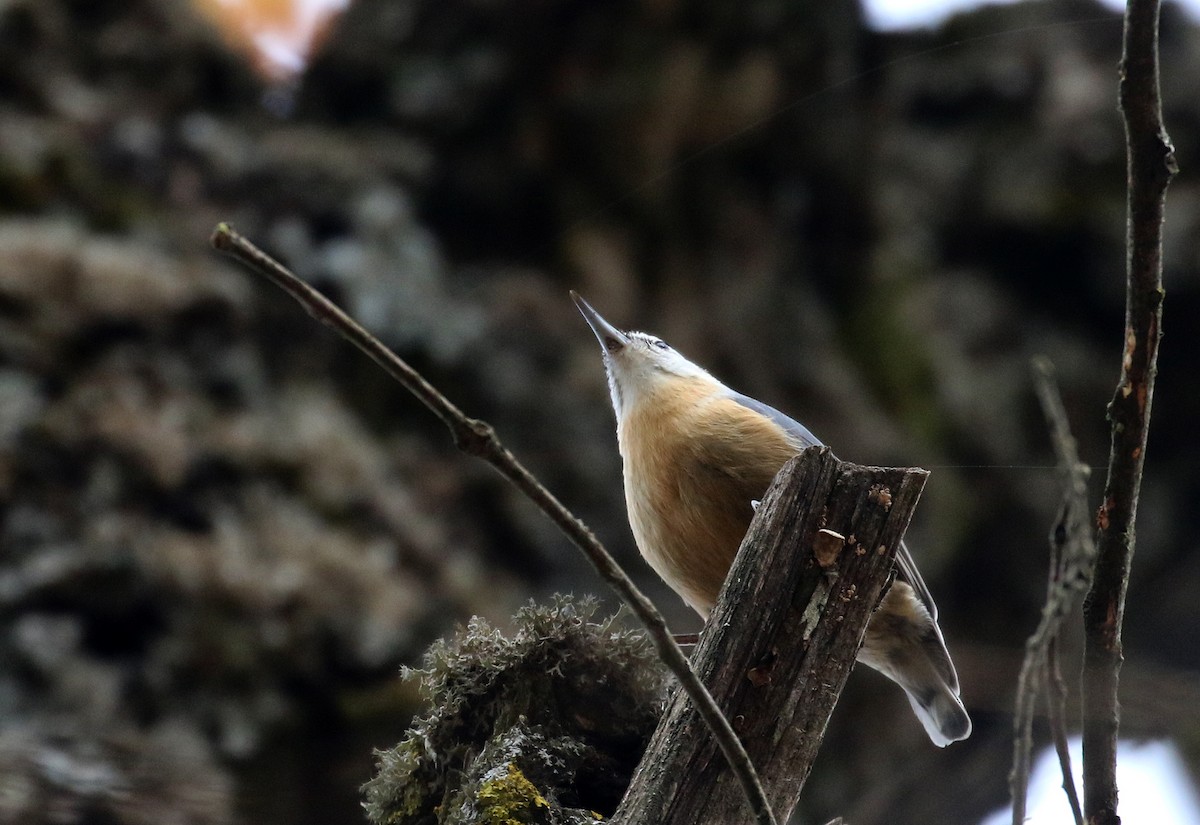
(782, 640)
(1151, 164)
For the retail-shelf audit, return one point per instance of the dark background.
(223, 531)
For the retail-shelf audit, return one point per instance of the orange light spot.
(278, 35)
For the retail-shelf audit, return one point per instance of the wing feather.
(791, 426)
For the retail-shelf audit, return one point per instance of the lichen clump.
(510, 799)
(543, 726)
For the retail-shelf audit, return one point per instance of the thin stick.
(1072, 555)
(478, 438)
(1056, 701)
(1018, 778)
(1150, 167)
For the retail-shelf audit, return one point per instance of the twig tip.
(222, 237)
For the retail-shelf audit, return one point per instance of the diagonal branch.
(1150, 167)
(479, 439)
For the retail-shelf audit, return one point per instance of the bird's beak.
(611, 338)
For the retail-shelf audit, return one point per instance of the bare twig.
(479, 439)
(1072, 554)
(1150, 167)
(1056, 702)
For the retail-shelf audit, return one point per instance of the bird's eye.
(660, 343)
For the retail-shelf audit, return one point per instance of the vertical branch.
(1150, 166)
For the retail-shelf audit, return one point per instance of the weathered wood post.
(781, 642)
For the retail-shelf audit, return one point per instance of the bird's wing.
(910, 574)
(804, 438)
(790, 425)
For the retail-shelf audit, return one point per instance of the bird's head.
(638, 364)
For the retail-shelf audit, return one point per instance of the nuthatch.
(696, 455)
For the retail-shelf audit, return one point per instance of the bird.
(697, 456)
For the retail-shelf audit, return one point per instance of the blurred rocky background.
(223, 531)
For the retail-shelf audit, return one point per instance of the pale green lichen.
(511, 799)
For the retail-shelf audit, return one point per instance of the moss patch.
(545, 725)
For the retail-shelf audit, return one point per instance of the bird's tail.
(903, 642)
